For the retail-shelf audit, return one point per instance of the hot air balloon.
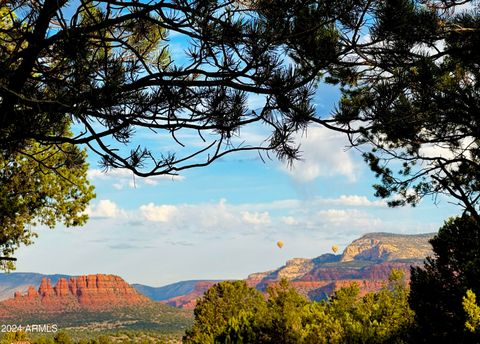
(334, 248)
(280, 244)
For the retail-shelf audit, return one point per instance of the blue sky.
(223, 221)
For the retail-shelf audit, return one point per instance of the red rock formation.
(92, 292)
(45, 289)
(317, 284)
(189, 301)
(32, 293)
(61, 289)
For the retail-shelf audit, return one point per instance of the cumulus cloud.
(349, 218)
(448, 152)
(347, 213)
(158, 213)
(289, 220)
(324, 154)
(123, 178)
(201, 216)
(256, 218)
(105, 209)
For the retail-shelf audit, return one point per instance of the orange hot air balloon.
(334, 248)
(280, 244)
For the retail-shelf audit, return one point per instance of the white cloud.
(286, 205)
(349, 218)
(334, 215)
(347, 213)
(99, 174)
(105, 209)
(469, 6)
(355, 200)
(289, 220)
(158, 213)
(202, 217)
(447, 151)
(210, 217)
(256, 218)
(324, 154)
(436, 151)
(123, 178)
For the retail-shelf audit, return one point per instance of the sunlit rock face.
(388, 247)
(92, 292)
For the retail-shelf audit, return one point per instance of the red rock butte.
(92, 292)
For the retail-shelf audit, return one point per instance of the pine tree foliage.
(108, 69)
(411, 98)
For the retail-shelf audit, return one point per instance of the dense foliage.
(288, 317)
(222, 302)
(41, 186)
(472, 310)
(438, 288)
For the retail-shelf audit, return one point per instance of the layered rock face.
(92, 292)
(383, 247)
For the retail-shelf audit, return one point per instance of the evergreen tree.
(438, 288)
(219, 305)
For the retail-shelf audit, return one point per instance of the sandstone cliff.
(92, 292)
(388, 247)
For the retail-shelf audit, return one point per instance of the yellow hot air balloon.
(334, 248)
(280, 244)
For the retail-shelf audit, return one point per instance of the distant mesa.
(92, 292)
(382, 247)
